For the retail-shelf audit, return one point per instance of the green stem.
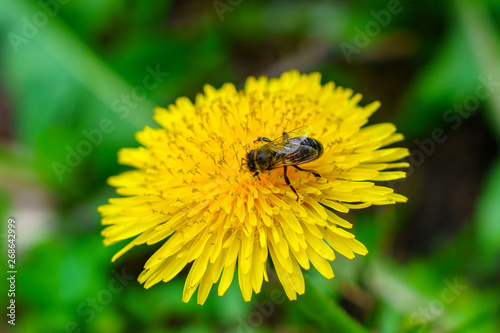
(330, 315)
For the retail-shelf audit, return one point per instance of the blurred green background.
(72, 67)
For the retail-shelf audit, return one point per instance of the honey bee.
(291, 149)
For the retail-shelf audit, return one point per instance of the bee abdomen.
(313, 144)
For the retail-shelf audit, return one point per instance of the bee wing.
(292, 155)
(289, 148)
(298, 134)
(299, 156)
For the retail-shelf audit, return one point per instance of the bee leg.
(287, 181)
(257, 174)
(311, 171)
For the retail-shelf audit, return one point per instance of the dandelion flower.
(189, 190)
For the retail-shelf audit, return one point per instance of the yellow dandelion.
(191, 190)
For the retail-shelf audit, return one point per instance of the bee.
(291, 149)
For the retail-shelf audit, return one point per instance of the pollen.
(190, 190)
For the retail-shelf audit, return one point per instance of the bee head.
(251, 161)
